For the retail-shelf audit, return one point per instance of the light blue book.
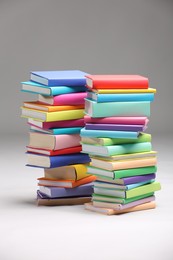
(108, 134)
(36, 88)
(57, 131)
(100, 98)
(108, 109)
(112, 150)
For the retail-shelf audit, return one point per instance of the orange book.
(116, 82)
(48, 108)
(65, 183)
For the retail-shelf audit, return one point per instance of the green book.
(121, 173)
(116, 149)
(104, 198)
(142, 190)
(112, 141)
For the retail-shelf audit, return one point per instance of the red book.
(116, 82)
(76, 149)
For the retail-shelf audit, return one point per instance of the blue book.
(56, 192)
(35, 88)
(57, 131)
(100, 98)
(43, 161)
(70, 78)
(110, 134)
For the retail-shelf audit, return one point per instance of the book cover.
(116, 149)
(116, 81)
(109, 109)
(43, 161)
(126, 164)
(71, 172)
(64, 183)
(53, 142)
(72, 99)
(126, 97)
(108, 134)
(52, 116)
(145, 189)
(49, 108)
(59, 78)
(56, 124)
(76, 149)
(113, 141)
(118, 174)
(35, 88)
(107, 211)
(115, 127)
(55, 192)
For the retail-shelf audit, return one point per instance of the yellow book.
(111, 91)
(52, 116)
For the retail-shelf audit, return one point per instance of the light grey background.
(111, 37)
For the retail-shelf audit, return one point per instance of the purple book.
(116, 127)
(56, 192)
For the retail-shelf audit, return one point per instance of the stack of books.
(117, 110)
(55, 121)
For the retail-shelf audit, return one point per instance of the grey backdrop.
(111, 37)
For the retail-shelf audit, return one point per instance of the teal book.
(57, 131)
(36, 88)
(108, 109)
(116, 149)
(108, 134)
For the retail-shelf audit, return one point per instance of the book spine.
(64, 115)
(64, 160)
(65, 141)
(70, 130)
(143, 190)
(124, 97)
(112, 127)
(128, 148)
(134, 172)
(70, 99)
(65, 90)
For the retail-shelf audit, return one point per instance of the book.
(144, 189)
(43, 161)
(117, 120)
(107, 211)
(73, 172)
(75, 149)
(126, 156)
(54, 124)
(57, 131)
(113, 141)
(116, 149)
(110, 199)
(118, 206)
(109, 109)
(36, 105)
(118, 174)
(72, 99)
(64, 183)
(130, 97)
(46, 201)
(52, 116)
(106, 185)
(59, 78)
(116, 82)
(55, 192)
(108, 134)
(53, 142)
(123, 91)
(35, 88)
(115, 127)
(127, 180)
(124, 164)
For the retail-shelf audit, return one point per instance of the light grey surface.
(99, 36)
(70, 232)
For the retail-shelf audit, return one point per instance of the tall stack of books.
(117, 110)
(55, 121)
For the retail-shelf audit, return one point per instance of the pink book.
(117, 120)
(64, 99)
(56, 124)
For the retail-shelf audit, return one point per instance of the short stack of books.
(117, 109)
(55, 121)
